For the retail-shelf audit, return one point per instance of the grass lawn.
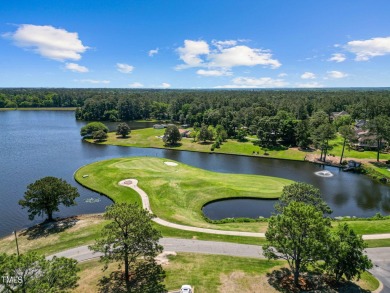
(177, 193)
(337, 145)
(208, 273)
(149, 137)
(378, 169)
(368, 227)
(47, 240)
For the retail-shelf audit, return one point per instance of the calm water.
(36, 144)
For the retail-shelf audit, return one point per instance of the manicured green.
(177, 193)
(369, 227)
(370, 282)
(378, 243)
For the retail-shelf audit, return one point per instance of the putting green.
(177, 193)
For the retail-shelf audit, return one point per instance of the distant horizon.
(200, 89)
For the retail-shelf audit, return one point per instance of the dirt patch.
(163, 259)
(241, 282)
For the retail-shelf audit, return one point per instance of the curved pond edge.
(238, 219)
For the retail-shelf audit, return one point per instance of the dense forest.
(208, 106)
(275, 116)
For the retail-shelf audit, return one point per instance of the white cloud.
(76, 68)
(213, 72)
(165, 85)
(251, 82)
(224, 55)
(48, 41)
(124, 68)
(336, 74)
(93, 81)
(242, 56)
(282, 74)
(136, 84)
(367, 49)
(153, 52)
(313, 84)
(191, 52)
(222, 44)
(308, 75)
(337, 57)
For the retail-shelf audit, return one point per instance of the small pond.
(239, 208)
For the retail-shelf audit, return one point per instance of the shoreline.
(310, 157)
(39, 109)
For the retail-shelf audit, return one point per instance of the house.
(366, 140)
(360, 123)
(335, 115)
(184, 132)
(158, 126)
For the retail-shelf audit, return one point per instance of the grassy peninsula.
(177, 193)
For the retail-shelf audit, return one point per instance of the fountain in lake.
(324, 173)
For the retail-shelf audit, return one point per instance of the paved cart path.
(133, 184)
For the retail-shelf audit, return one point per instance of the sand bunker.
(170, 163)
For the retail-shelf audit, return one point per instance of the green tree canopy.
(346, 132)
(31, 272)
(345, 254)
(302, 134)
(380, 128)
(171, 135)
(45, 195)
(99, 135)
(129, 237)
(204, 133)
(302, 192)
(297, 236)
(123, 129)
(90, 128)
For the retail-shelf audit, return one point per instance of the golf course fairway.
(177, 193)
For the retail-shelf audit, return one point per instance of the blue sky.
(195, 44)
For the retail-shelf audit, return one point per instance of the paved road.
(379, 256)
(381, 259)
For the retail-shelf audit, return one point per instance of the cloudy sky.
(195, 43)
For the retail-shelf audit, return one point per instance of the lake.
(36, 144)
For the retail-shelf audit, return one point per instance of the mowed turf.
(177, 193)
(151, 138)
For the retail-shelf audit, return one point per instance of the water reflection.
(37, 144)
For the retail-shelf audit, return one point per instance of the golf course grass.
(150, 138)
(177, 193)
